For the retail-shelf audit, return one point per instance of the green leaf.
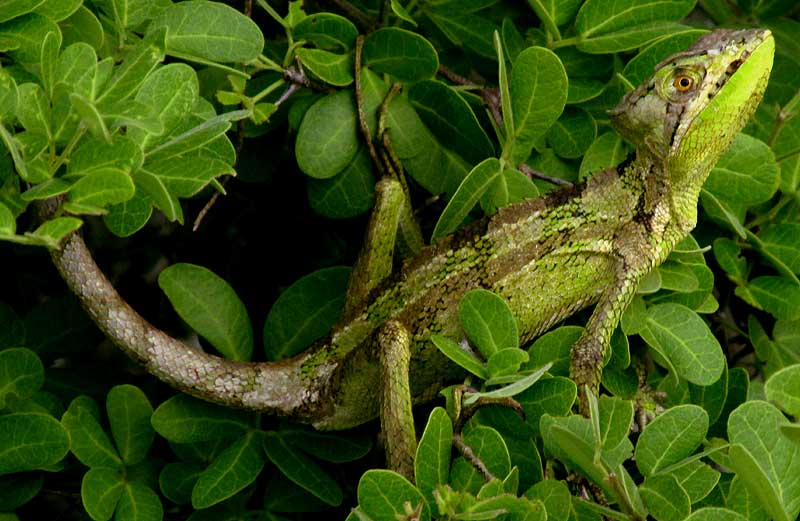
(488, 322)
(672, 436)
(334, 69)
(665, 498)
(211, 307)
(764, 459)
(488, 445)
(29, 441)
(506, 362)
(102, 189)
(626, 24)
(18, 489)
(538, 89)
(129, 413)
(460, 356)
(782, 388)
(696, 478)
(641, 66)
(715, 514)
(83, 26)
(235, 468)
(403, 54)
(101, 489)
(15, 8)
(21, 374)
(468, 30)
(684, 340)
(185, 419)
(451, 120)
(779, 240)
(349, 193)
(512, 186)
(383, 494)
(327, 140)
(125, 219)
(607, 151)
(212, 31)
(555, 496)
(301, 469)
(616, 416)
(58, 10)
(128, 77)
(776, 295)
(28, 33)
(554, 346)
(553, 13)
(515, 387)
(139, 503)
(177, 480)
(467, 195)
(573, 133)
(335, 448)
(327, 31)
(746, 174)
(305, 312)
(172, 91)
(87, 439)
(197, 139)
(432, 460)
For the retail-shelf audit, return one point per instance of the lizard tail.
(270, 387)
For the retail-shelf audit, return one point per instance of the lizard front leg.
(634, 260)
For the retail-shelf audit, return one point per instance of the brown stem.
(362, 116)
(470, 456)
(530, 172)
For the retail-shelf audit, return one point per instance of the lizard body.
(548, 257)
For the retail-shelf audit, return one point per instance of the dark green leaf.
(403, 54)
(185, 419)
(382, 495)
(327, 139)
(234, 469)
(29, 441)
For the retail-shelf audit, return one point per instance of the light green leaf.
(684, 340)
(746, 174)
(764, 459)
(715, 514)
(696, 478)
(305, 312)
(488, 322)
(212, 31)
(128, 77)
(432, 461)
(129, 413)
(82, 26)
(211, 307)
(665, 498)
(102, 188)
(125, 219)
(101, 489)
(21, 374)
(488, 445)
(467, 195)
(184, 419)
(301, 469)
(782, 388)
(554, 346)
(327, 138)
(403, 54)
(334, 69)
(780, 240)
(15, 8)
(51, 232)
(538, 90)
(457, 354)
(382, 495)
(235, 468)
(625, 24)
(776, 295)
(669, 438)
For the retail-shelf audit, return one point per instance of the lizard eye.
(683, 83)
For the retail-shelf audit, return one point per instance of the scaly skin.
(548, 257)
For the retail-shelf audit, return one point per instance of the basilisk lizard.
(549, 257)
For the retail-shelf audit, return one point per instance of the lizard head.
(687, 113)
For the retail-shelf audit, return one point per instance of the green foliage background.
(134, 113)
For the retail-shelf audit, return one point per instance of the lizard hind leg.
(397, 420)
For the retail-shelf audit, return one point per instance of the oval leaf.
(403, 54)
(210, 306)
(184, 419)
(30, 441)
(129, 413)
(669, 438)
(327, 139)
(383, 494)
(305, 312)
(468, 194)
(488, 322)
(21, 374)
(236, 467)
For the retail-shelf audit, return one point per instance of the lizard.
(549, 257)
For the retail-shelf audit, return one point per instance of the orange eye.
(682, 83)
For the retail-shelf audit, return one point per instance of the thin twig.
(361, 18)
(470, 456)
(530, 172)
(362, 116)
